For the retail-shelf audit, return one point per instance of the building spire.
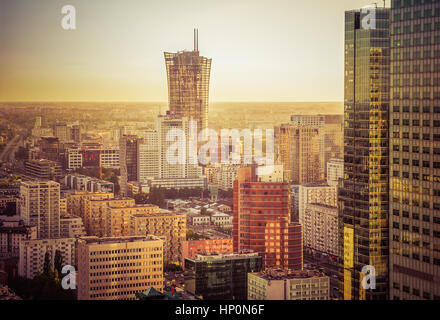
(196, 39)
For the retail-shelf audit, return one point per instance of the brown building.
(119, 267)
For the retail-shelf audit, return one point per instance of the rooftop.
(279, 274)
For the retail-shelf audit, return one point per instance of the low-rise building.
(32, 254)
(276, 284)
(71, 227)
(43, 169)
(12, 231)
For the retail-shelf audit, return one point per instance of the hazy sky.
(262, 50)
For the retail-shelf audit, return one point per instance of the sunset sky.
(262, 50)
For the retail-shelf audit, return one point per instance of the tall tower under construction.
(188, 84)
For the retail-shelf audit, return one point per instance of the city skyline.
(118, 56)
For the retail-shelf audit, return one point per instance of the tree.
(58, 262)
(47, 264)
(141, 198)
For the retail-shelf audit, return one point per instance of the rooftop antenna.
(196, 40)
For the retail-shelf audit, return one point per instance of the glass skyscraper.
(188, 76)
(363, 195)
(415, 150)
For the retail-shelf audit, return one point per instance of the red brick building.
(262, 221)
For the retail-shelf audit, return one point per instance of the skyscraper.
(128, 158)
(363, 196)
(188, 76)
(415, 150)
(301, 149)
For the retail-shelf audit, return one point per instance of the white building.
(314, 193)
(40, 207)
(186, 165)
(198, 219)
(288, 285)
(148, 157)
(110, 158)
(221, 219)
(335, 171)
(320, 228)
(33, 252)
(74, 159)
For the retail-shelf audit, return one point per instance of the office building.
(414, 216)
(118, 268)
(43, 169)
(300, 149)
(363, 196)
(262, 220)
(222, 276)
(128, 159)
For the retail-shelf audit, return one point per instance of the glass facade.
(363, 194)
(223, 278)
(415, 150)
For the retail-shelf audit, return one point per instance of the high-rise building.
(188, 76)
(40, 207)
(222, 276)
(275, 284)
(184, 166)
(118, 268)
(363, 196)
(128, 159)
(314, 193)
(262, 220)
(149, 161)
(320, 228)
(96, 214)
(60, 130)
(300, 148)
(414, 217)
